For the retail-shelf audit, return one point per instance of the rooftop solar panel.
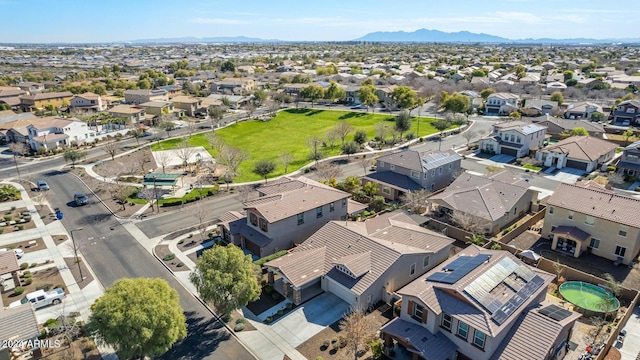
(458, 268)
(555, 312)
(517, 300)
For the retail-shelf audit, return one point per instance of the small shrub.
(190, 236)
(280, 312)
(169, 257)
(27, 274)
(241, 320)
(611, 168)
(289, 305)
(238, 327)
(24, 266)
(275, 296)
(334, 340)
(33, 265)
(269, 289)
(49, 323)
(8, 218)
(27, 218)
(45, 287)
(1, 229)
(268, 320)
(18, 290)
(318, 357)
(180, 264)
(28, 281)
(20, 226)
(13, 208)
(181, 241)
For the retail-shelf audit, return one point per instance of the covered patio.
(400, 336)
(569, 239)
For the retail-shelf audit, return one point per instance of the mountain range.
(421, 35)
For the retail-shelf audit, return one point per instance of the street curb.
(218, 319)
(97, 197)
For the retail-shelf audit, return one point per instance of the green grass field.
(288, 132)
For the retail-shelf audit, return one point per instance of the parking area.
(630, 347)
(566, 175)
(502, 159)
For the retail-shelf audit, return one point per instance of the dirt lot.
(27, 246)
(315, 347)
(21, 216)
(86, 275)
(81, 348)
(162, 251)
(49, 276)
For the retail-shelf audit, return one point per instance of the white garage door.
(339, 291)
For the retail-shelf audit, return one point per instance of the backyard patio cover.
(161, 179)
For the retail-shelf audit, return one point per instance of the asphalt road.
(114, 254)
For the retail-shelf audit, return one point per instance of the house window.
(381, 163)
(331, 207)
(518, 139)
(433, 187)
(449, 166)
(595, 244)
(344, 202)
(463, 330)
(446, 321)
(319, 212)
(263, 225)
(425, 261)
(386, 190)
(253, 219)
(392, 167)
(418, 311)
(440, 170)
(433, 172)
(623, 231)
(631, 110)
(478, 339)
(415, 174)
(570, 217)
(412, 270)
(301, 219)
(620, 250)
(550, 209)
(589, 220)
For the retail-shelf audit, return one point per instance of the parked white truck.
(41, 298)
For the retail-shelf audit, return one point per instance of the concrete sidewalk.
(77, 299)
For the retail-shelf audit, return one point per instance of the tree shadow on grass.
(297, 111)
(314, 112)
(352, 115)
(204, 336)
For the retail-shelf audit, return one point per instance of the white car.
(40, 298)
(19, 252)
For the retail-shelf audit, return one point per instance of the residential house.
(133, 114)
(492, 201)
(360, 262)
(172, 90)
(189, 104)
(514, 138)
(590, 83)
(30, 87)
(588, 217)
(10, 95)
(556, 85)
(234, 101)
(581, 110)
(15, 131)
(287, 213)
(239, 86)
(627, 112)
(54, 132)
(157, 108)
(384, 96)
(629, 163)
(19, 325)
(88, 102)
(408, 171)
(40, 101)
(480, 304)
(534, 107)
(137, 97)
(351, 94)
(293, 89)
(583, 153)
(557, 126)
(501, 104)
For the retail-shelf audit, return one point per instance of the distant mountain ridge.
(425, 35)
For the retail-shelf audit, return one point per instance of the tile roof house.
(409, 171)
(556, 126)
(586, 216)
(53, 132)
(494, 200)
(627, 110)
(481, 304)
(583, 153)
(514, 138)
(142, 96)
(360, 262)
(88, 102)
(581, 110)
(134, 114)
(40, 100)
(287, 212)
(189, 104)
(501, 104)
(629, 163)
(240, 86)
(19, 324)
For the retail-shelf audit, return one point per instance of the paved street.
(113, 254)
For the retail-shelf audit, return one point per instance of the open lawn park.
(289, 132)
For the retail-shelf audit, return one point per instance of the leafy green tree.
(557, 97)
(9, 193)
(568, 75)
(263, 168)
(475, 239)
(138, 317)
(403, 122)
(486, 92)
(216, 114)
(73, 155)
(301, 79)
(571, 82)
(334, 92)
(367, 95)
(360, 137)
(479, 73)
(404, 97)
(312, 92)
(228, 66)
(350, 148)
(628, 96)
(515, 115)
(260, 96)
(628, 135)
(370, 188)
(441, 125)
(579, 131)
(144, 84)
(457, 103)
(225, 277)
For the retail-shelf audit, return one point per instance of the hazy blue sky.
(118, 20)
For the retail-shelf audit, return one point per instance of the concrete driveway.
(566, 175)
(310, 318)
(630, 348)
(502, 159)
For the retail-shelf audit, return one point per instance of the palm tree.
(475, 239)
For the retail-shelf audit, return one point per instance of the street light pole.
(16, 162)
(155, 193)
(75, 250)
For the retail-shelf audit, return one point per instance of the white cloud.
(216, 21)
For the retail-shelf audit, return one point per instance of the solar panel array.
(517, 300)
(458, 268)
(480, 289)
(555, 312)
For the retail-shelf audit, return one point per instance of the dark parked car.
(80, 199)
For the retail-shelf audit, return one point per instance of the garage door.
(251, 246)
(340, 291)
(577, 164)
(508, 151)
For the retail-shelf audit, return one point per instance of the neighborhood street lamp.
(155, 193)
(75, 251)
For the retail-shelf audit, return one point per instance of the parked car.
(42, 185)
(80, 199)
(40, 298)
(19, 252)
(360, 107)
